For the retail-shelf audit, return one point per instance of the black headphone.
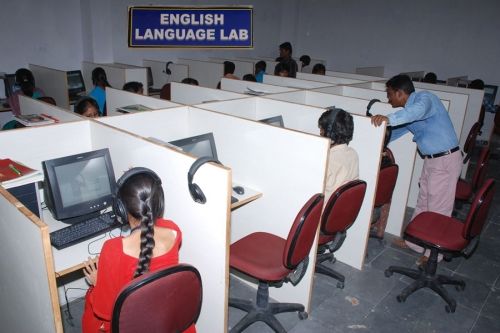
(195, 191)
(388, 129)
(167, 70)
(118, 205)
(370, 104)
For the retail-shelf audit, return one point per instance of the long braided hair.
(143, 199)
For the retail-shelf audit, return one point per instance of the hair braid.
(147, 237)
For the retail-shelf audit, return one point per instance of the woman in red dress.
(153, 244)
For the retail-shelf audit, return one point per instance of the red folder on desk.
(10, 170)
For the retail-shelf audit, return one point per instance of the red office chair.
(446, 235)
(47, 99)
(165, 301)
(165, 92)
(339, 214)
(466, 189)
(470, 142)
(271, 259)
(387, 178)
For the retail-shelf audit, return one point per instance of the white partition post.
(53, 82)
(294, 83)
(208, 74)
(252, 88)
(29, 105)
(190, 94)
(160, 75)
(119, 98)
(334, 80)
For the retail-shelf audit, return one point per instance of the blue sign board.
(197, 27)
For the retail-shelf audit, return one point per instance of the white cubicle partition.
(242, 67)
(294, 83)
(371, 70)
(133, 73)
(160, 76)
(249, 149)
(361, 77)
(116, 98)
(207, 73)
(403, 149)
(334, 80)
(29, 105)
(53, 82)
(252, 88)
(189, 94)
(203, 226)
(367, 141)
(118, 74)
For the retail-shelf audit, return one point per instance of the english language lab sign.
(195, 27)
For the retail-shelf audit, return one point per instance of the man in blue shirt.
(426, 118)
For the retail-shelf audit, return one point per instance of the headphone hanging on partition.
(119, 207)
(195, 191)
(370, 104)
(167, 70)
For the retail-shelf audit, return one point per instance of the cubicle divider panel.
(208, 74)
(159, 71)
(116, 98)
(204, 227)
(116, 74)
(32, 106)
(242, 67)
(252, 88)
(241, 108)
(294, 83)
(360, 77)
(371, 70)
(29, 293)
(328, 79)
(189, 94)
(53, 82)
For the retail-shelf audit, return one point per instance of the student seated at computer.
(343, 162)
(25, 86)
(191, 81)
(249, 77)
(100, 82)
(87, 107)
(260, 70)
(319, 69)
(305, 61)
(282, 69)
(134, 86)
(153, 244)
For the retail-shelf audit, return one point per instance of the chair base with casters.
(323, 256)
(264, 311)
(427, 278)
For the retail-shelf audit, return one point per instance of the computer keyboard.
(82, 231)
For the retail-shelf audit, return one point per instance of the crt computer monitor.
(199, 145)
(275, 121)
(76, 85)
(150, 77)
(79, 185)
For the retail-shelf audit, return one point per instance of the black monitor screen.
(150, 77)
(75, 82)
(79, 184)
(275, 121)
(10, 83)
(199, 146)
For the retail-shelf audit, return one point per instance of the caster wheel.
(303, 315)
(387, 273)
(401, 299)
(340, 285)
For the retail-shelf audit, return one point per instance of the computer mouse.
(238, 189)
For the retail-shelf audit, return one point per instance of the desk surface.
(249, 196)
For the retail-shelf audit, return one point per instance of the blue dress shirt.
(426, 117)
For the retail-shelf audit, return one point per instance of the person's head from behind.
(398, 89)
(319, 69)
(229, 67)
(305, 60)
(143, 200)
(337, 125)
(190, 81)
(285, 50)
(430, 78)
(134, 86)
(281, 69)
(249, 77)
(87, 107)
(26, 81)
(476, 84)
(99, 77)
(260, 66)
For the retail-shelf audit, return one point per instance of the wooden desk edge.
(245, 201)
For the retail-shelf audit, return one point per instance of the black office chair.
(164, 301)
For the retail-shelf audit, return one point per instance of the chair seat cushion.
(323, 239)
(259, 255)
(464, 190)
(438, 230)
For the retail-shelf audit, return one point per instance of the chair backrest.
(479, 210)
(168, 300)
(388, 156)
(482, 165)
(343, 207)
(387, 178)
(470, 142)
(165, 92)
(303, 231)
(47, 99)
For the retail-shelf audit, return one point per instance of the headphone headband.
(195, 191)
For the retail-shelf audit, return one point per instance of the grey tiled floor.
(368, 301)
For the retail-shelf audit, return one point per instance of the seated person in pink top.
(25, 86)
(343, 163)
(153, 244)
